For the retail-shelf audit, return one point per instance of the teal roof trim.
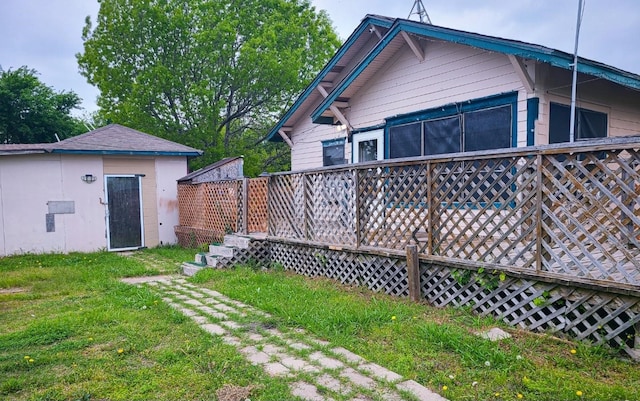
(124, 152)
(556, 58)
(385, 23)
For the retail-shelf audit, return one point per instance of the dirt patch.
(15, 290)
(229, 392)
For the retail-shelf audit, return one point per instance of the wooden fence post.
(413, 272)
(245, 206)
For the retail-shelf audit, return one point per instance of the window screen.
(589, 124)
(487, 129)
(442, 136)
(405, 140)
(333, 153)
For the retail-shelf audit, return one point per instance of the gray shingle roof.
(115, 138)
(110, 139)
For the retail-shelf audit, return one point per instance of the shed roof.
(208, 168)
(112, 139)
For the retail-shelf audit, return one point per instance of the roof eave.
(127, 152)
(540, 53)
(273, 135)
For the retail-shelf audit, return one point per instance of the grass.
(70, 330)
(436, 347)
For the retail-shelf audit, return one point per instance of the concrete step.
(237, 241)
(201, 258)
(190, 268)
(221, 250)
(214, 260)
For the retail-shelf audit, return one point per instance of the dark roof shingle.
(110, 139)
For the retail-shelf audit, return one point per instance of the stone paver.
(380, 372)
(359, 379)
(348, 355)
(338, 371)
(213, 329)
(325, 361)
(276, 369)
(421, 392)
(307, 392)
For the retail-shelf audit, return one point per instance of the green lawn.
(69, 330)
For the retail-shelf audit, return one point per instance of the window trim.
(453, 109)
(589, 107)
(377, 134)
(334, 142)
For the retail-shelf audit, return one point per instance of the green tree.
(209, 74)
(32, 112)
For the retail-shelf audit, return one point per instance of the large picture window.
(465, 131)
(589, 124)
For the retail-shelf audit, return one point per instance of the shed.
(111, 188)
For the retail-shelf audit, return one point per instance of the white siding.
(450, 73)
(622, 105)
(307, 140)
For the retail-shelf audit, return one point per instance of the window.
(476, 128)
(368, 145)
(333, 152)
(588, 124)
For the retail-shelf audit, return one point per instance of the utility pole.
(420, 11)
(574, 82)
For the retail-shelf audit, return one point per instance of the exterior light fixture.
(88, 178)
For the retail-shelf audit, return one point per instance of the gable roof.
(392, 39)
(332, 68)
(113, 139)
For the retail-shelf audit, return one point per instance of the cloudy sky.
(46, 34)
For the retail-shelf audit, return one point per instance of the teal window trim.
(333, 142)
(452, 109)
(533, 111)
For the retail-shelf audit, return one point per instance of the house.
(229, 168)
(400, 88)
(112, 188)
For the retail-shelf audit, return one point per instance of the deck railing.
(567, 212)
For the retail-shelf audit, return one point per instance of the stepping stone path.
(316, 370)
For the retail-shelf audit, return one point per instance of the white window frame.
(367, 136)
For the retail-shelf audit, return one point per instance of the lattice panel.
(591, 215)
(330, 207)
(583, 314)
(190, 205)
(257, 205)
(312, 262)
(258, 252)
(598, 317)
(393, 206)
(222, 201)
(485, 210)
(383, 274)
(207, 210)
(286, 206)
(190, 237)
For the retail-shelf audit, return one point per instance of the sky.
(45, 35)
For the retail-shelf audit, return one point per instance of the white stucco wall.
(29, 182)
(168, 171)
